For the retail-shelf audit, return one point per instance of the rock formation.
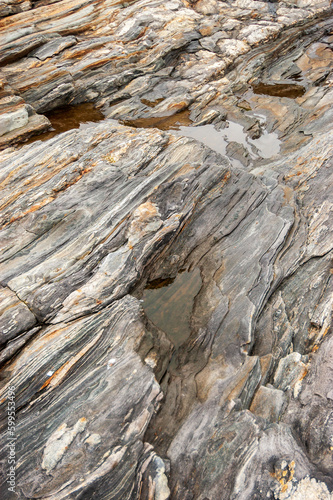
(166, 273)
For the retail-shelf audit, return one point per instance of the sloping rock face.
(167, 294)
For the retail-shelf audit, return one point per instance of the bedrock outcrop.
(166, 273)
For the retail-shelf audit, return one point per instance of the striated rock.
(19, 120)
(289, 371)
(13, 118)
(8, 7)
(15, 316)
(84, 440)
(166, 273)
(74, 51)
(153, 179)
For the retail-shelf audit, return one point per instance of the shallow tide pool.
(168, 304)
(266, 146)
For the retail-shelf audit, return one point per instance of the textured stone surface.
(108, 406)
(74, 51)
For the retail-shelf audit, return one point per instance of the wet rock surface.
(166, 272)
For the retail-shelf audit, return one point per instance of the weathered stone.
(18, 120)
(13, 120)
(268, 403)
(53, 47)
(8, 7)
(15, 317)
(290, 370)
(63, 445)
(234, 399)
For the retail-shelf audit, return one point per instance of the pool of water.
(291, 90)
(267, 146)
(80, 115)
(168, 304)
(173, 122)
(68, 118)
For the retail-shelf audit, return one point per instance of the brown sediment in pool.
(291, 90)
(168, 303)
(152, 104)
(159, 283)
(68, 118)
(161, 122)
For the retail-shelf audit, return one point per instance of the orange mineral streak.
(206, 30)
(304, 374)
(47, 12)
(10, 175)
(287, 195)
(30, 210)
(61, 373)
(39, 178)
(186, 223)
(11, 200)
(114, 229)
(77, 53)
(284, 476)
(179, 105)
(36, 82)
(50, 379)
(326, 331)
(225, 179)
(42, 342)
(184, 170)
(96, 64)
(11, 306)
(219, 185)
(44, 202)
(73, 181)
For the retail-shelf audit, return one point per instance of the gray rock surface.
(211, 178)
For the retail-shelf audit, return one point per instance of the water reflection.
(173, 122)
(266, 146)
(68, 118)
(168, 304)
(291, 90)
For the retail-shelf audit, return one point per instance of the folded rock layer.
(211, 174)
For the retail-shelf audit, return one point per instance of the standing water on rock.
(266, 146)
(166, 250)
(68, 118)
(169, 304)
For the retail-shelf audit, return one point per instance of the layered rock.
(108, 403)
(77, 51)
